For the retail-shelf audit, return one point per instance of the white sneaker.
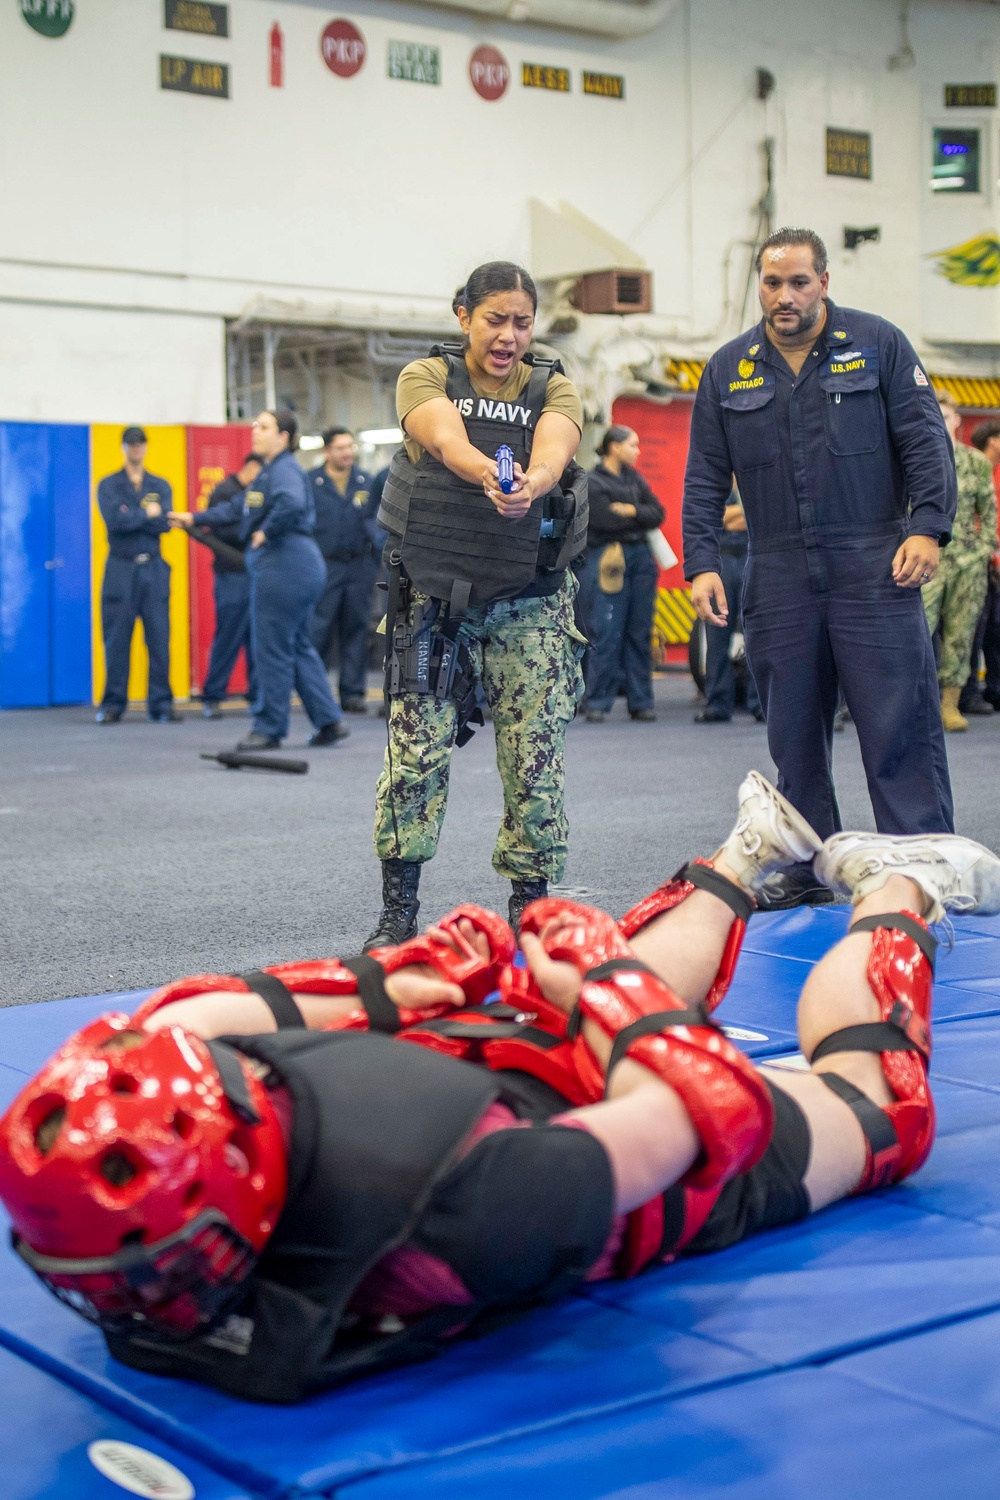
(955, 874)
(769, 834)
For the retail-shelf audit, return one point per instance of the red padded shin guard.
(902, 979)
(664, 899)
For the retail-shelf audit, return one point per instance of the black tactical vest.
(375, 1125)
(454, 543)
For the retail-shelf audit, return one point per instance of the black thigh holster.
(424, 653)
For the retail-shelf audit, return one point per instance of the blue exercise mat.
(58, 1445)
(804, 933)
(806, 1435)
(952, 1369)
(29, 1034)
(969, 1052)
(698, 1379)
(863, 1270)
(560, 1364)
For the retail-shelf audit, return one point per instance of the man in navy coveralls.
(830, 424)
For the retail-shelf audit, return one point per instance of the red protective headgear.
(142, 1185)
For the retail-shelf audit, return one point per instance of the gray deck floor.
(125, 860)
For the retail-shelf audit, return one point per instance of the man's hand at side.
(916, 562)
(709, 598)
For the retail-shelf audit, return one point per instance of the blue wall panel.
(25, 521)
(70, 680)
(44, 564)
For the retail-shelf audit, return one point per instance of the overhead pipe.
(597, 17)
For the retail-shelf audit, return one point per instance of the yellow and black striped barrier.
(673, 617)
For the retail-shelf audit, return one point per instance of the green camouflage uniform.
(527, 655)
(954, 597)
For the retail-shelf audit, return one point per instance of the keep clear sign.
(414, 62)
(187, 76)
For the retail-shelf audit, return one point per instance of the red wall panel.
(664, 433)
(213, 452)
(663, 437)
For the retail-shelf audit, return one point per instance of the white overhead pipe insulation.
(596, 17)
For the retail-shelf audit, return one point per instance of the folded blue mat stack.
(852, 1356)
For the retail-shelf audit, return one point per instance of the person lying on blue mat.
(251, 1183)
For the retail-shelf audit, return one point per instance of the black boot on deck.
(400, 879)
(524, 892)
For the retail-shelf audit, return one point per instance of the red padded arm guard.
(475, 975)
(727, 1100)
(463, 965)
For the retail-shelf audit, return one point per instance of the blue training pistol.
(505, 468)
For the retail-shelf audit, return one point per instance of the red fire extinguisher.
(277, 57)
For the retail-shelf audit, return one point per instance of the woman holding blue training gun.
(485, 510)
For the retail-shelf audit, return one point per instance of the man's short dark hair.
(789, 236)
(981, 435)
(252, 458)
(336, 432)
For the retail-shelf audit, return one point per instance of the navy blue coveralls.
(619, 625)
(136, 584)
(231, 587)
(720, 674)
(836, 467)
(286, 579)
(346, 535)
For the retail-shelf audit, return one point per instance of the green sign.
(48, 17)
(414, 62)
(196, 15)
(187, 76)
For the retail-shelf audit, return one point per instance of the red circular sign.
(489, 72)
(343, 48)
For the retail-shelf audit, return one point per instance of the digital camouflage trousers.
(953, 599)
(527, 655)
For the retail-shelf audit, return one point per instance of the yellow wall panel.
(167, 458)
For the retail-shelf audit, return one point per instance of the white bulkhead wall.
(161, 214)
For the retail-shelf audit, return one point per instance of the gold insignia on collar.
(754, 349)
(745, 369)
(838, 334)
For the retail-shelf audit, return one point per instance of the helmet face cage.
(172, 1289)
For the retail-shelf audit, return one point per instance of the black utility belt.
(140, 558)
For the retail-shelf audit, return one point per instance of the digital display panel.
(956, 162)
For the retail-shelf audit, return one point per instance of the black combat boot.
(400, 879)
(796, 885)
(524, 892)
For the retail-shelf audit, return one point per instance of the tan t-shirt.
(427, 379)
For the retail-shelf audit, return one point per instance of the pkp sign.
(343, 48)
(489, 72)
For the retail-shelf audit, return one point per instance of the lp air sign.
(343, 48)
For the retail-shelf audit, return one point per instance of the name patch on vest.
(494, 411)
